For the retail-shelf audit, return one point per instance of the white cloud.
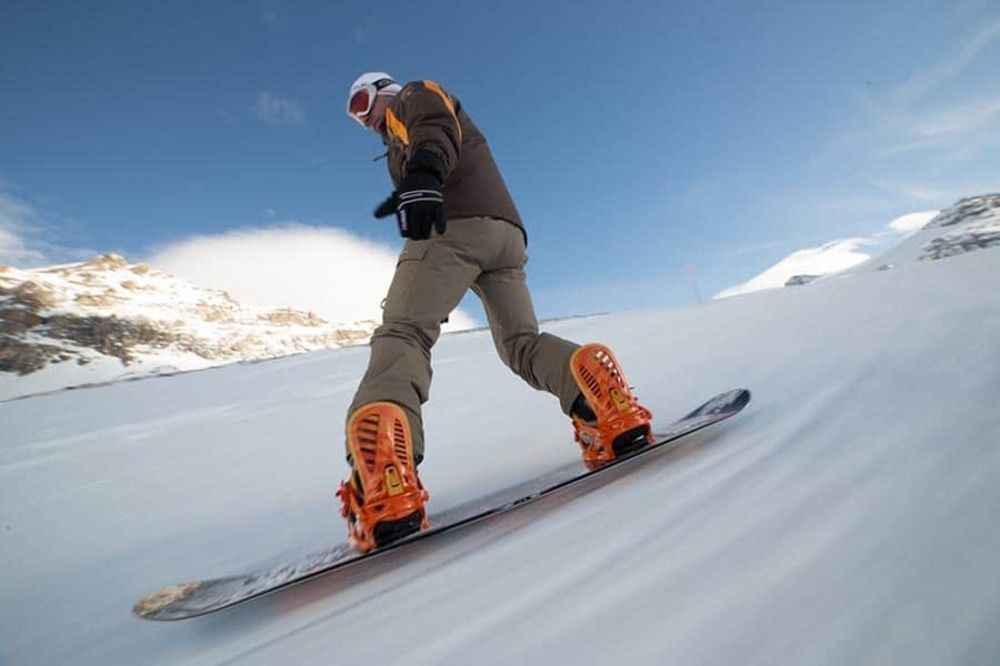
(961, 129)
(957, 120)
(17, 222)
(341, 277)
(277, 111)
(944, 110)
(31, 236)
(948, 68)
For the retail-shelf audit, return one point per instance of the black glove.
(418, 202)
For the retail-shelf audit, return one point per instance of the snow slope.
(849, 516)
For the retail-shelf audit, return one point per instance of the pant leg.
(431, 278)
(541, 359)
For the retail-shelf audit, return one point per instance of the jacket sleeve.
(429, 116)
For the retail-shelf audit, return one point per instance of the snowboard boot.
(383, 499)
(608, 420)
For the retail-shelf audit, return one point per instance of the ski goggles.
(360, 104)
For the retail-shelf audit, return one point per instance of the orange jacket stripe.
(396, 127)
(432, 86)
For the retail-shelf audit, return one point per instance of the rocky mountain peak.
(128, 318)
(973, 223)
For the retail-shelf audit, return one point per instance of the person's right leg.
(541, 359)
(592, 390)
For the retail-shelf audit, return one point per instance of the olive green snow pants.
(488, 256)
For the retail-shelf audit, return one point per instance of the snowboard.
(188, 600)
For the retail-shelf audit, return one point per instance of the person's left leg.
(383, 498)
(431, 278)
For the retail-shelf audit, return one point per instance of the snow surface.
(848, 516)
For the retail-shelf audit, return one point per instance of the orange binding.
(383, 499)
(622, 423)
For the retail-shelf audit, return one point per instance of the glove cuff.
(417, 196)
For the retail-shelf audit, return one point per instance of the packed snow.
(848, 516)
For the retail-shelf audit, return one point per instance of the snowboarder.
(463, 231)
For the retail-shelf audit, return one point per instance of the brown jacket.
(423, 116)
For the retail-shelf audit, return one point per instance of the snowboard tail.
(178, 602)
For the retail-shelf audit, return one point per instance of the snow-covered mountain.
(105, 319)
(972, 223)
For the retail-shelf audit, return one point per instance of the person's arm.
(428, 125)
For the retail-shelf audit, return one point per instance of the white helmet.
(361, 96)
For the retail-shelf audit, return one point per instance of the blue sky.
(640, 140)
